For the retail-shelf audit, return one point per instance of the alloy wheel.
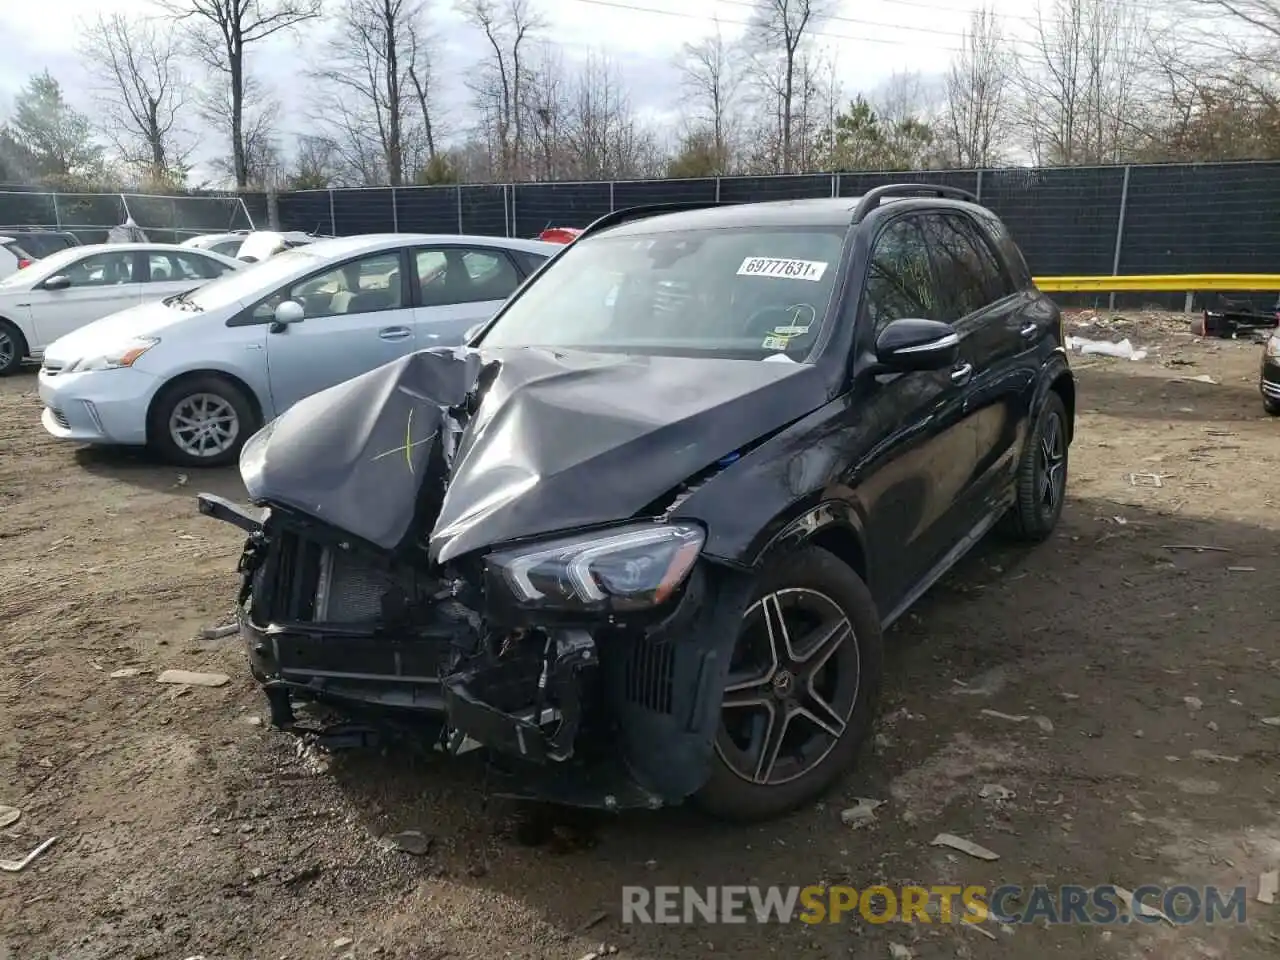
(204, 425)
(793, 685)
(1053, 463)
(7, 350)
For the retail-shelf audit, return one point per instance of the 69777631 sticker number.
(782, 268)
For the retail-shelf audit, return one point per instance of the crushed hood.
(467, 448)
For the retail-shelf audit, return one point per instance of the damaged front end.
(591, 664)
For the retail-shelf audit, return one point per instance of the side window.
(101, 270)
(368, 285)
(456, 275)
(1004, 241)
(961, 281)
(530, 261)
(996, 280)
(900, 281)
(167, 267)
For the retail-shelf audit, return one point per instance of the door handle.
(962, 373)
(1029, 331)
(395, 333)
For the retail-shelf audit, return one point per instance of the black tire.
(1271, 406)
(13, 348)
(1033, 516)
(189, 390)
(731, 793)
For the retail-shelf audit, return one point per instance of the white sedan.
(71, 288)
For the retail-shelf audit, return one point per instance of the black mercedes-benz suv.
(640, 537)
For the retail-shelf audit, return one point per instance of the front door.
(356, 317)
(916, 481)
(459, 287)
(100, 284)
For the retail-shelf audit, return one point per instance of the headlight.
(627, 568)
(1273, 346)
(125, 356)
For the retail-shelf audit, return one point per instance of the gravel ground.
(186, 826)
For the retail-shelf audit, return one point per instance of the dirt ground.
(187, 827)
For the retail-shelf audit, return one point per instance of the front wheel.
(802, 690)
(201, 422)
(1042, 476)
(13, 348)
(1271, 406)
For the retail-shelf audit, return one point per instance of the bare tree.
(257, 162)
(141, 93)
(711, 79)
(373, 82)
(224, 31)
(548, 107)
(421, 69)
(603, 137)
(508, 27)
(780, 29)
(1081, 82)
(975, 121)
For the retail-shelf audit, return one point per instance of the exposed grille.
(351, 592)
(650, 673)
(60, 418)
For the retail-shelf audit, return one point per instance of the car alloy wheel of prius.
(204, 425)
(201, 421)
(801, 689)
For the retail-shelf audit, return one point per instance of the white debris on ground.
(1123, 350)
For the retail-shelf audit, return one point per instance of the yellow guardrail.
(1162, 283)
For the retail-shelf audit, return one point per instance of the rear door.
(915, 485)
(100, 284)
(990, 311)
(457, 287)
(357, 316)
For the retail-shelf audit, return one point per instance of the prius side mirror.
(59, 282)
(287, 313)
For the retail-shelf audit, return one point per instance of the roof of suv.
(820, 212)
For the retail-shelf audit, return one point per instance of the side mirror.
(59, 282)
(287, 312)
(907, 345)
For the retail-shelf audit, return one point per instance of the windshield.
(252, 281)
(740, 293)
(43, 268)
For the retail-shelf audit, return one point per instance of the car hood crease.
(460, 449)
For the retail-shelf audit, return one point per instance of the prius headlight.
(123, 355)
(1273, 346)
(625, 568)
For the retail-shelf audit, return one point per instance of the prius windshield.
(733, 293)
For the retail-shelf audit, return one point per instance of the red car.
(559, 234)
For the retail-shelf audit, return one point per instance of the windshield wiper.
(184, 300)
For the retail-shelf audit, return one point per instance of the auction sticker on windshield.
(785, 269)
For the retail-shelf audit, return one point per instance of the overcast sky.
(870, 39)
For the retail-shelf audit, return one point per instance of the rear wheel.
(1042, 476)
(202, 421)
(13, 348)
(802, 689)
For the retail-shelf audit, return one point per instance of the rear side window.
(963, 277)
(998, 284)
(529, 262)
(42, 245)
(994, 227)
